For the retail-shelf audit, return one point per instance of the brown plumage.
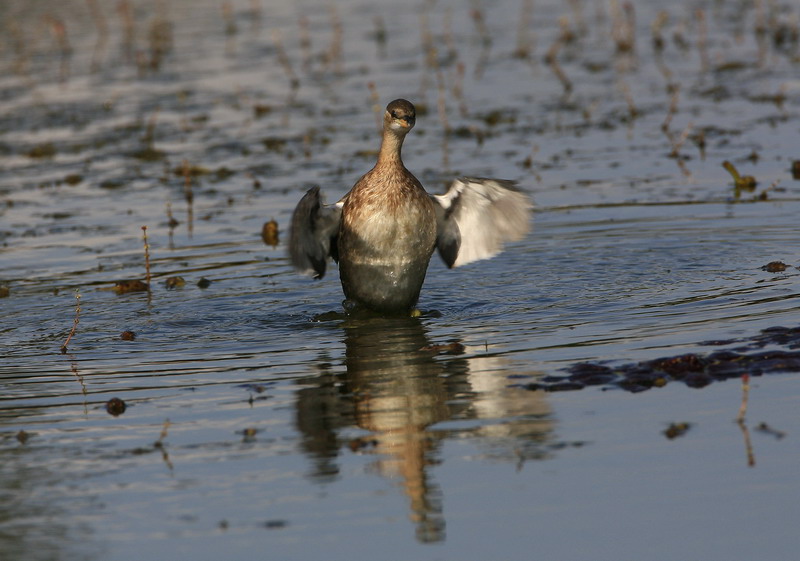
(385, 229)
(388, 230)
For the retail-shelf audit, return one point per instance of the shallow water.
(260, 419)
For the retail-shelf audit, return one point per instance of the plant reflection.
(396, 388)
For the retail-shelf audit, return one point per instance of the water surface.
(261, 420)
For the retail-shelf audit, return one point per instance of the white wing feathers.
(477, 216)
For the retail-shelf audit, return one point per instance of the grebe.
(383, 232)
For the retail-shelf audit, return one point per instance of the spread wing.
(312, 237)
(477, 216)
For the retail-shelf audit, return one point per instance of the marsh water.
(260, 421)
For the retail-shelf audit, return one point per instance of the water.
(259, 419)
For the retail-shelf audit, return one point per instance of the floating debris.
(123, 287)
(115, 406)
(148, 154)
(454, 348)
(274, 144)
(203, 283)
(766, 429)
(112, 184)
(73, 179)
(127, 335)
(674, 430)
(269, 233)
(190, 170)
(174, 282)
(774, 267)
(260, 110)
(23, 436)
(44, 150)
(5, 292)
(248, 434)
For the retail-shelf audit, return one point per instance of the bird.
(383, 232)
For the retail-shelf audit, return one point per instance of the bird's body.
(386, 239)
(384, 231)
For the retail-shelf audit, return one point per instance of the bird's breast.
(394, 222)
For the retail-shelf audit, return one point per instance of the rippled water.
(261, 420)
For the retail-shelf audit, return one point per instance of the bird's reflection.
(397, 385)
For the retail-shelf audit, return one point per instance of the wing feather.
(312, 237)
(477, 216)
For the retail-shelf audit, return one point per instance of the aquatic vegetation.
(74, 322)
(746, 183)
(694, 370)
(146, 257)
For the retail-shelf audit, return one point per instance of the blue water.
(262, 421)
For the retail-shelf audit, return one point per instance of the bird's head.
(400, 116)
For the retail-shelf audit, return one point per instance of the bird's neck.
(389, 154)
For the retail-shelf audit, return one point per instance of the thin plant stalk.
(74, 322)
(146, 257)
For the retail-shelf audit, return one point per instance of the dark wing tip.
(305, 250)
(448, 242)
